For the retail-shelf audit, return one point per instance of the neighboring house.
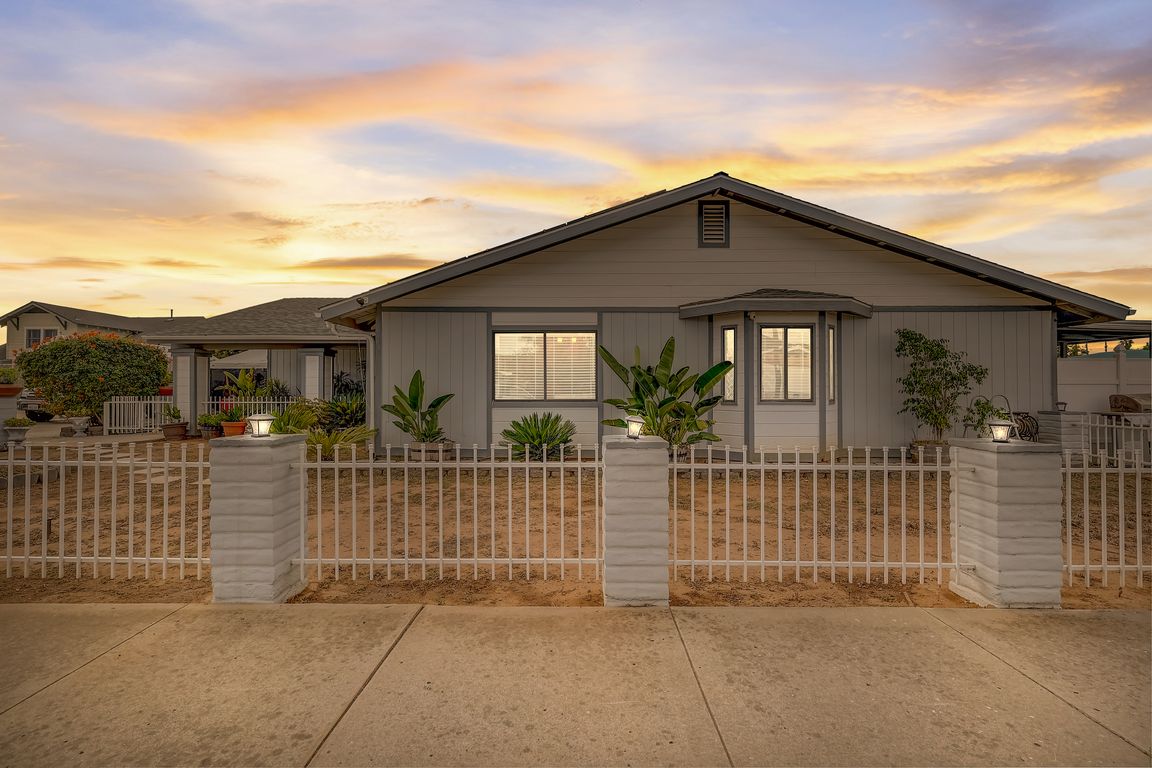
(286, 338)
(1086, 382)
(38, 321)
(803, 300)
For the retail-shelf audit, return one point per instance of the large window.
(34, 336)
(538, 365)
(728, 339)
(785, 363)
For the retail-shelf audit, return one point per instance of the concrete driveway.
(408, 685)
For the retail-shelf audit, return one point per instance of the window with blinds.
(545, 365)
(728, 338)
(712, 220)
(785, 363)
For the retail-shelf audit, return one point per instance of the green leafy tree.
(76, 375)
(673, 404)
(937, 378)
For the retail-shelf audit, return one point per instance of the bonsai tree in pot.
(674, 404)
(174, 426)
(17, 428)
(937, 378)
(421, 423)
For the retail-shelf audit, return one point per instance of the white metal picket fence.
(1107, 519)
(134, 415)
(1117, 436)
(464, 513)
(90, 511)
(871, 513)
(249, 405)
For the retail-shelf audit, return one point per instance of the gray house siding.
(451, 349)
(1016, 346)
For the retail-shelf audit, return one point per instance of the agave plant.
(423, 424)
(537, 431)
(298, 418)
(673, 404)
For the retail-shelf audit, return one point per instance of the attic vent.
(713, 223)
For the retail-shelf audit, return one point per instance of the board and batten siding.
(1016, 347)
(729, 417)
(451, 350)
(654, 261)
(585, 417)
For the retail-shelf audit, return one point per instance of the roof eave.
(721, 306)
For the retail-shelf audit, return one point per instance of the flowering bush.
(76, 374)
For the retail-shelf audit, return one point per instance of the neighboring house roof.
(1077, 304)
(777, 300)
(284, 321)
(1111, 331)
(249, 358)
(91, 318)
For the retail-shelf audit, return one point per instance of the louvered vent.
(713, 220)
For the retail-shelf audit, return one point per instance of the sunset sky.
(207, 155)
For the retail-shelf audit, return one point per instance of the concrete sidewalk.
(404, 685)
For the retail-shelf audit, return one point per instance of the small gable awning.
(777, 300)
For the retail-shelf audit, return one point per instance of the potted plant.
(174, 426)
(233, 421)
(209, 424)
(165, 389)
(422, 424)
(79, 422)
(937, 377)
(8, 382)
(17, 427)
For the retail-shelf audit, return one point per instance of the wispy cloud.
(406, 261)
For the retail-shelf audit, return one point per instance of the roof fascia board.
(850, 306)
(232, 339)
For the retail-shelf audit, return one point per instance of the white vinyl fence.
(1117, 436)
(461, 513)
(134, 415)
(1107, 519)
(871, 513)
(250, 406)
(106, 510)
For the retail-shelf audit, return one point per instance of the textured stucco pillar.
(1062, 428)
(255, 519)
(1007, 505)
(635, 521)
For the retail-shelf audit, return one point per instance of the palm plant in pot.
(174, 425)
(422, 424)
(233, 421)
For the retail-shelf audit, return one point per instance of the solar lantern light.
(261, 424)
(635, 424)
(1001, 430)
(1061, 405)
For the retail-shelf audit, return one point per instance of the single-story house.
(39, 321)
(286, 338)
(803, 300)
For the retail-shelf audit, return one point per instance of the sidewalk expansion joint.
(367, 680)
(94, 658)
(1026, 676)
(700, 687)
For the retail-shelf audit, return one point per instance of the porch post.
(315, 373)
(1006, 502)
(189, 382)
(255, 518)
(635, 521)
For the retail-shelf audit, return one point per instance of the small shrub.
(344, 412)
(210, 420)
(980, 412)
(344, 384)
(9, 375)
(297, 418)
(937, 378)
(423, 424)
(326, 442)
(535, 432)
(18, 421)
(171, 414)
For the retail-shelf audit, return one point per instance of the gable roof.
(1075, 306)
(281, 321)
(777, 300)
(92, 318)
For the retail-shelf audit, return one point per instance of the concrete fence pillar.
(255, 518)
(636, 513)
(1006, 502)
(1062, 428)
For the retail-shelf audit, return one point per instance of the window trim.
(833, 373)
(700, 224)
(811, 400)
(735, 365)
(42, 331)
(543, 332)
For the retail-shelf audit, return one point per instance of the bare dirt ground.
(409, 537)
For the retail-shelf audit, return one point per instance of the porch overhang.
(777, 300)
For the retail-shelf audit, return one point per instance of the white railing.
(865, 513)
(1117, 435)
(249, 405)
(132, 415)
(104, 510)
(461, 513)
(1107, 519)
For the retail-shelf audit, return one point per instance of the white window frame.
(724, 329)
(42, 336)
(812, 357)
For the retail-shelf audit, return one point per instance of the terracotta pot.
(164, 392)
(233, 428)
(10, 390)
